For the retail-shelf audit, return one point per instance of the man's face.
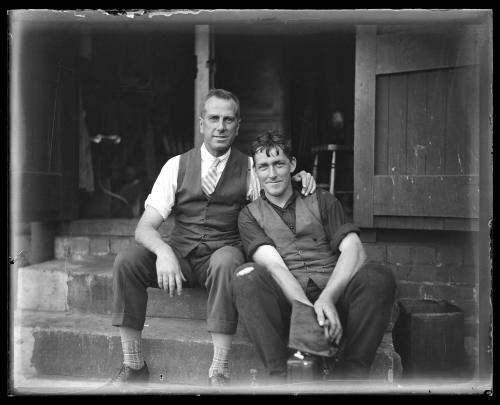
(219, 125)
(274, 171)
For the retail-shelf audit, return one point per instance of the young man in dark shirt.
(303, 250)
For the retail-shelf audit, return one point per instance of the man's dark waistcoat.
(211, 220)
(307, 253)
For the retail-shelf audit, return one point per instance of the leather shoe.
(128, 375)
(218, 380)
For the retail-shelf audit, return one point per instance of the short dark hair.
(271, 140)
(223, 94)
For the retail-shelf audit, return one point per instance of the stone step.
(55, 385)
(87, 286)
(87, 345)
(178, 351)
(92, 237)
(98, 237)
(105, 227)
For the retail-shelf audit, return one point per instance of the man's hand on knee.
(169, 273)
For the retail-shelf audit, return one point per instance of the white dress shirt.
(162, 196)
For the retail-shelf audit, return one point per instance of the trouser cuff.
(128, 321)
(221, 326)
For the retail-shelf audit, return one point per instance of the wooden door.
(44, 126)
(416, 159)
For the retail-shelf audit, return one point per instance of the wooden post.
(332, 172)
(42, 242)
(484, 261)
(315, 166)
(364, 124)
(204, 73)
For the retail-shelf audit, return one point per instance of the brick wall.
(82, 246)
(435, 269)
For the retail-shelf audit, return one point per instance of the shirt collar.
(291, 200)
(206, 156)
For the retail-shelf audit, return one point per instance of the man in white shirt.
(206, 188)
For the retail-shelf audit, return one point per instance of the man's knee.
(228, 257)
(247, 280)
(377, 279)
(128, 259)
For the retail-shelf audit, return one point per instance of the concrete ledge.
(88, 346)
(87, 286)
(176, 350)
(107, 227)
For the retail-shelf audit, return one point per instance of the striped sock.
(220, 364)
(132, 354)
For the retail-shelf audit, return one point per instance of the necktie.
(209, 181)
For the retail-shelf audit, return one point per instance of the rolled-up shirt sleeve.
(252, 235)
(162, 196)
(334, 221)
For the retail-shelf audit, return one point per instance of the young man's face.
(219, 125)
(274, 171)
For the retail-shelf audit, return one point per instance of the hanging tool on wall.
(114, 139)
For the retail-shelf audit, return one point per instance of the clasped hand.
(328, 317)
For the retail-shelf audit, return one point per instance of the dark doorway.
(138, 98)
(297, 79)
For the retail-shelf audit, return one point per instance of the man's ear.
(237, 131)
(293, 164)
(201, 124)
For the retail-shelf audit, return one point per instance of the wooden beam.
(37, 196)
(364, 124)
(202, 81)
(42, 241)
(435, 49)
(434, 196)
(485, 271)
(426, 223)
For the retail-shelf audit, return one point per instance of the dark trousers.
(134, 271)
(364, 310)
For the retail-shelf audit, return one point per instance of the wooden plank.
(472, 106)
(436, 121)
(461, 224)
(426, 223)
(486, 202)
(414, 50)
(413, 223)
(416, 136)
(364, 125)
(202, 81)
(397, 124)
(38, 110)
(382, 125)
(368, 235)
(68, 157)
(38, 196)
(457, 118)
(435, 196)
